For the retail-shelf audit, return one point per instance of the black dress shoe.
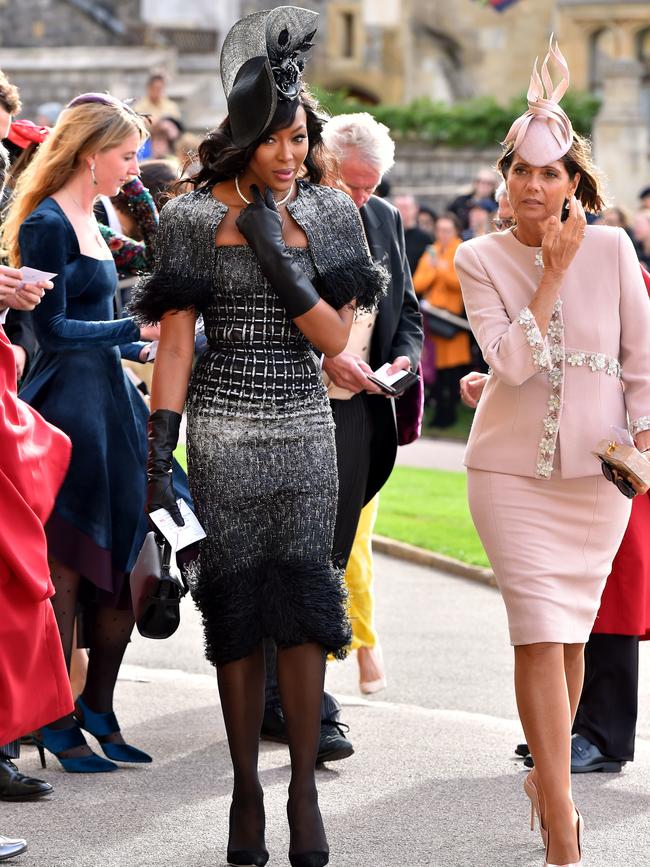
(334, 745)
(273, 727)
(586, 757)
(9, 847)
(15, 786)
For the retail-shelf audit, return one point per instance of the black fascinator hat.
(262, 60)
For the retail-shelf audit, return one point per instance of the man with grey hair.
(365, 421)
(366, 431)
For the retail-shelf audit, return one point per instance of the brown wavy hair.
(221, 160)
(9, 96)
(578, 159)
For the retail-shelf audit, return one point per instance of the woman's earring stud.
(92, 174)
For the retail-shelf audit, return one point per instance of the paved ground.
(432, 454)
(433, 781)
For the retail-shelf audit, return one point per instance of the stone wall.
(52, 23)
(59, 74)
(436, 175)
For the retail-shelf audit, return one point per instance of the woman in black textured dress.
(276, 278)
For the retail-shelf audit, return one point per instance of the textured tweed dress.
(261, 451)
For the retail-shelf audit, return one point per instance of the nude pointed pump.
(580, 831)
(531, 790)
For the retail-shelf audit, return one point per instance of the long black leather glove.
(261, 225)
(162, 436)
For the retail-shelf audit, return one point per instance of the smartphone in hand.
(393, 384)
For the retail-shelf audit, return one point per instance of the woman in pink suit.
(562, 317)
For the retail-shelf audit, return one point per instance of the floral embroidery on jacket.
(639, 425)
(538, 345)
(551, 421)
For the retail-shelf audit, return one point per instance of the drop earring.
(92, 174)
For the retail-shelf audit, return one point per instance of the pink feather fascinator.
(544, 134)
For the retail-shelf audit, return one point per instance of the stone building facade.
(55, 49)
(391, 51)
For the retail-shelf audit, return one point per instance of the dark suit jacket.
(397, 331)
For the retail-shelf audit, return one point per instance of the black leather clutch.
(156, 589)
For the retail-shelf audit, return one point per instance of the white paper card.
(33, 275)
(389, 378)
(178, 537)
(152, 349)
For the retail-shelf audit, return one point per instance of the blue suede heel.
(99, 725)
(57, 741)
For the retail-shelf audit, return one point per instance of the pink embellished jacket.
(549, 400)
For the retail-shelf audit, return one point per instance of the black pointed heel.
(309, 859)
(247, 858)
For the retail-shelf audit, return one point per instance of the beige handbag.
(625, 466)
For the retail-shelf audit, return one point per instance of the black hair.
(222, 160)
(383, 188)
(158, 176)
(426, 209)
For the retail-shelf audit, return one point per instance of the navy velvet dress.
(77, 383)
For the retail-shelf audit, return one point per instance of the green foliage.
(473, 123)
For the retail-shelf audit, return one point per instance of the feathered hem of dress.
(293, 602)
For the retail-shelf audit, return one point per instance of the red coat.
(625, 606)
(34, 456)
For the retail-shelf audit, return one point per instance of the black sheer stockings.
(301, 676)
(109, 630)
(241, 687)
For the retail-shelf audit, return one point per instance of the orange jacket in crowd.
(437, 283)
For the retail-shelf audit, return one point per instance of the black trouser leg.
(353, 436)
(446, 393)
(608, 707)
(10, 750)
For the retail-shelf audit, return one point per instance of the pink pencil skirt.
(551, 543)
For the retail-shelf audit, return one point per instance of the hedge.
(475, 123)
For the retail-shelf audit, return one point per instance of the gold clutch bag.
(625, 466)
